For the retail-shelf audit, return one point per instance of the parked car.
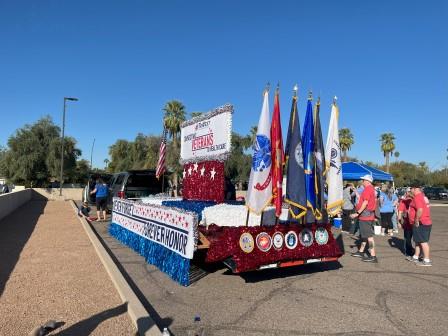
(436, 193)
(86, 197)
(136, 184)
(4, 189)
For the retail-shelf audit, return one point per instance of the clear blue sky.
(385, 60)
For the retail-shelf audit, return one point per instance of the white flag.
(333, 164)
(259, 191)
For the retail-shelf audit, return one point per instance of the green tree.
(253, 134)
(106, 163)
(138, 152)
(405, 173)
(346, 141)
(120, 158)
(195, 114)
(173, 118)
(81, 173)
(53, 159)
(33, 154)
(387, 147)
(2, 161)
(396, 155)
(152, 155)
(237, 166)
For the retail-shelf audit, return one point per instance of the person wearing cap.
(420, 218)
(403, 220)
(365, 212)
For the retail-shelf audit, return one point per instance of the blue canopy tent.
(354, 170)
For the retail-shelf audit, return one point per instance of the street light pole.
(62, 142)
(91, 154)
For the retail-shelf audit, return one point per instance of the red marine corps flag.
(161, 167)
(277, 156)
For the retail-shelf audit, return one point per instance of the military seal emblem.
(263, 241)
(321, 236)
(277, 240)
(247, 242)
(291, 240)
(306, 237)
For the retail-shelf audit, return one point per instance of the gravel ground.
(50, 271)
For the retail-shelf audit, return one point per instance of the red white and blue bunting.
(166, 237)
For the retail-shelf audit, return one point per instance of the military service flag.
(259, 191)
(333, 164)
(295, 178)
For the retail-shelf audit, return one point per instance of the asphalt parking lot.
(393, 297)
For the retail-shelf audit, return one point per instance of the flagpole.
(291, 116)
(277, 91)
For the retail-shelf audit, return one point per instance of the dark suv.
(436, 193)
(136, 184)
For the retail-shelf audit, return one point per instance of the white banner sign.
(174, 229)
(207, 137)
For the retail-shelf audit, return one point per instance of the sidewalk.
(50, 271)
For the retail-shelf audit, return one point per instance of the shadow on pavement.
(279, 273)
(88, 325)
(397, 243)
(15, 230)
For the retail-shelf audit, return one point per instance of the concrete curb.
(139, 315)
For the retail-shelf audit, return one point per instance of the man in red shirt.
(420, 218)
(365, 212)
(403, 220)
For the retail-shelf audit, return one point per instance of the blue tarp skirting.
(354, 171)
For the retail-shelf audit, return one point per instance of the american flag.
(162, 153)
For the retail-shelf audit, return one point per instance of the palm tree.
(195, 114)
(253, 133)
(387, 146)
(396, 155)
(345, 141)
(173, 118)
(106, 162)
(423, 166)
(249, 139)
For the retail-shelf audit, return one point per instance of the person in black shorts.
(365, 212)
(101, 191)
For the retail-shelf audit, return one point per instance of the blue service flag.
(295, 179)
(308, 158)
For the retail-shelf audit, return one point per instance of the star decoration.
(202, 171)
(184, 173)
(189, 171)
(212, 174)
(195, 167)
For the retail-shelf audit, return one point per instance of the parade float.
(271, 229)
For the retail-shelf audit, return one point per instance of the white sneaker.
(424, 263)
